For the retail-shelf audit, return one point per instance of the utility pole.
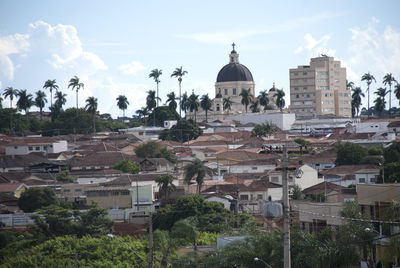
(150, 240)
(286, 211)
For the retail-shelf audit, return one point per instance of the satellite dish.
(299, 173)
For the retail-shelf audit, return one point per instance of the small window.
(66, 190)
(125, 193)
(244, 197)
(37, 148)
(304, 73)
(296, 73)
(30, 148)
(78, 190)
(254, 168)
(44, 147)
(225, 91)
(259, 197)
(373, 179)
(361, 180)
(15, 147)
(234, 91)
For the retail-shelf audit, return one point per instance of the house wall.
(308, 179)
(121, 198)
(58, 147)
(250, 168)
(322, 211)
(368, 178)
(372, 127)
(282, 120)
(226, 203)
(368, 194)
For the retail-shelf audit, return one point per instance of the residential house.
(309, 176)
(19, 162)
(368, 176)
(8, 203)
(110, 197)
(322, 160)
(321, 189)
(254, 166)
(227, 201)
(13, 188)
(345, 175)
(46, 145)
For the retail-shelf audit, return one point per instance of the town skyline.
(41, 44)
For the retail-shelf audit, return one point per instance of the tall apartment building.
(320, 88)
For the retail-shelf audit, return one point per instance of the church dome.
(234, 72)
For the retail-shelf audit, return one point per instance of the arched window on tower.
(218, 108)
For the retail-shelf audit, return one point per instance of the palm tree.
(1, 102)
(227, 104)
(76, 84)
(40, 101)
(397, 91)
(165, 244)
(151, 103)
(179, 72)
(122, 103)
(280, 100)
(185, 101)
(263, 98)
(25, 100)
(205, 103)
(368, 78)
(91, 107)
(51, 84)
(10, 93)
(193, 104)
(165, 184)
(254, 106)
(142, 113)
(172, 101)
(246, 97)
(155, 74)
(195, 169)
(380, 102)
(60, 99)
(356, 99)
(349, 85)
(388, 79)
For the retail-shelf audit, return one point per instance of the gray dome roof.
(234, 72)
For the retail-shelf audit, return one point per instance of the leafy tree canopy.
(127, 166)
(65, 176)
(262, 130)
(392, 153)
(183, 131)
(350, 154)
(163, 113)
(37, 197)
(154, 149)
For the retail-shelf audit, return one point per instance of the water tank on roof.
(272, 209)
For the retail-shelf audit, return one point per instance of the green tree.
(184, 103)
(302, 143)
(127, 166)
(195, 169)
(262, 130)
(186, 230)
(296, 192)
(164, 243)
(25, 100)
(163, 113)
(179, 73)
(122, 103)
(368, 78)
(280, 98)
(10, 93)
(389, 79)
(66, 176)
(254, 106)
(350, 154)
(380, 102)
(205, 103)
(91, 107)
(392, 153)
(349, 85)
(151, 103)
(183, 131)
(155, 74)
(40, 101)
(51, 84)
(263, 98)
(193, 104)
(246, 98)
(75, 83)
(142, 113)
(37, 197)
(153, 149)
(171, 100)
(397, 91)
(165, 184)
(227, 104)
(356, 99)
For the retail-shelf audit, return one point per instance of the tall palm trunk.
(154, 117)
(390, 97)
(51, 98)
(94, 124)
(76, 101)
(41, 113)
(157, 94)
(368, 100)
(180, 99)
(206, 117)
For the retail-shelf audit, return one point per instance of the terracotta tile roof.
(261, 161)
(260, 185)
(6, 198)
(241, 155)
(230, 189)
(8, 161)
(33, 140)
(346, 169)
(210, 143)
(320, 188)
(101, 159)
(125, 180)
(10, 187)
(326, 156)
(394, 124)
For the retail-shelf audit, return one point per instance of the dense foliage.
(127, 166)
(262, 130)
(350, 154)
(161, 114)
(35, 198)
(154, 149)
(183, 131)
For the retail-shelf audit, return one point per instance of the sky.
(113, 45)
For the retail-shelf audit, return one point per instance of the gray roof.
(234, 72)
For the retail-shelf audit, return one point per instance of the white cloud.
(9, 45)
(225, 37)
(315, 47)
(132, 68)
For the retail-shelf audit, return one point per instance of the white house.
(144, 133)
(44, 145)
(309, 177)
(367, 176)
(253, 166)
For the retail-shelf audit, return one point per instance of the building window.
(234, 91)
(361, 180)
(297, 96)
(259, 197)
(37, 148)
(274, 179)
(296, 73)
(254, 168)
(30, 148)
(304, 73)
(225, 91)
(78, 190)
(217, 107)
(115, 193)
(304, 88)
(296, 88)
(125, 193)
(219, 90)
(66, 190)
(15, 147)
(244, 197)
(373, 179)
